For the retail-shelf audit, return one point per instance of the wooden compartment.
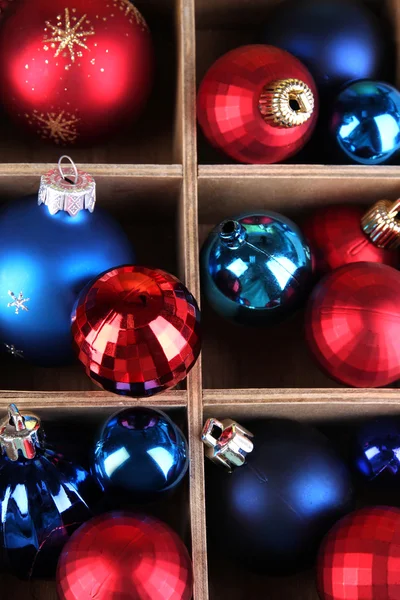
(169, 189)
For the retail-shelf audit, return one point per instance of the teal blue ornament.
(51, 245)
(140, 452)
(256, 268)
(366, 122)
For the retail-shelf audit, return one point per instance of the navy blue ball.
(256, 268)
(366, 122)
(338, 40)
(273, 511)
(142, 452)
(48, 259)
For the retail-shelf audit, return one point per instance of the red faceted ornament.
(360, 557)
(340, 234)
(124, 556)
(353, 324)
(74, 73)
(258, 104)
(136, 331)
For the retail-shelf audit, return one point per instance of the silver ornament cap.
(19, 433)
(68, 189)
(227, 443)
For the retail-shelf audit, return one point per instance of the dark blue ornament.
(256, 268)
(338, 40)
(45, 261)
(377, 450)
(43, 499)
(142, 452)
(281, 496)
(366, 122)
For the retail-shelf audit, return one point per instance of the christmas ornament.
(355, 47)
(124, 555)
(74, 74)
(377, 450)
(359, 556)
(366, 122)
(353, 324)
(47, 255)
(136, 330)
(343, 234)
(285, 490)
(43, 498)
(258, 104)
(140, 451)
(256, 268)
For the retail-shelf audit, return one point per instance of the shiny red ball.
(136, 330)
(124, 556)
(74, 73)
(360, 557)
(228, 105)
(336, 238)
(353, 324)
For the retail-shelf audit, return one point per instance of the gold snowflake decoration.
(131, 12)
(61, 128)
(68, 36)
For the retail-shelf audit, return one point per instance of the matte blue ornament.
(43, 498)
(256, 268)
(366, 122)
(142, 452)
(279, 488)
(338, 40)
(377, 450)
(47, 255)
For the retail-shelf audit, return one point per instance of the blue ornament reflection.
(377, 451)
(256, 269)
(366, 122)
(142, 452)
(42, 500)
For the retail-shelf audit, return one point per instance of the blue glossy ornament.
(377, 450)
(142, 452)
(45, 261)
(366, 122)
(338, 40)
(278, 488)
(256, 268)
(43, 498)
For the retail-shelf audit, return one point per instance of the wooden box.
(171, 189)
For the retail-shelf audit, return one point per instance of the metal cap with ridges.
(286, 103)
(381, 224)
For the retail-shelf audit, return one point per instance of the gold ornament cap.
(71, 190)
(381, 225)
(286, 103)
(227, 443)
(19, 434)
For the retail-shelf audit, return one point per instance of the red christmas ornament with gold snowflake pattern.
(73, 73)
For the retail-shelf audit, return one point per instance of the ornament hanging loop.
(381, 224)
(75, 170)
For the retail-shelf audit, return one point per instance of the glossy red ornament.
(359, 559)
(124, 556)
(74, 73)
(336, 238)
(353, 324)
(136, 330)
(258, 104)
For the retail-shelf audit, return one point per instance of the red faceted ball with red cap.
(136, 330)
(124, 555)
(258, 104)
(359, 559)
(336, 238)
(353, 324)
(74, 73)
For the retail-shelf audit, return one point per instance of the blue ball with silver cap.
(51, 245)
